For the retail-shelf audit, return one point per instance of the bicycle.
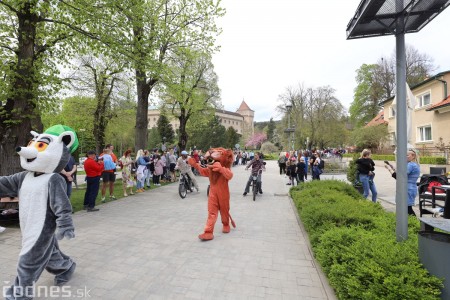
(185, 185)
(256, 186)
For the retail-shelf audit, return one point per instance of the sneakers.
(112, 197)
(125, 195)
(244, 194)
(92, 209)
(103, 199)
(260, 191)
(2, 229)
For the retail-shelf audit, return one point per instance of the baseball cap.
(184, 152)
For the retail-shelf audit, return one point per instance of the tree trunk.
(19, 115)
(143, 91)
(100, 120)
(183, 136)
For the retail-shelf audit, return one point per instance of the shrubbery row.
(431, 160)
(354, 240)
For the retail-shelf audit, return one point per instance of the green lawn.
(77, 197)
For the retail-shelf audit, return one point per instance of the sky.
(270, 45)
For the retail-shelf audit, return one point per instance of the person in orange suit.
(219, 173)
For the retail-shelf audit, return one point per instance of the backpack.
(322, 164)
(437, 191)
(109, 165)
(133, 167)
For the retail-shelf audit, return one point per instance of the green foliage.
(205, 136)
(231, 137)
(369, 137)
(351, 171)
(354, 241)
(268, 147)
(388, 157)
(367, 94)
(433, 160)
(271, 130)
(165, 129)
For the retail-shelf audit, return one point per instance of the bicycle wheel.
(182, 189)
(254, 190)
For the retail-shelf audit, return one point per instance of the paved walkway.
(146, 247)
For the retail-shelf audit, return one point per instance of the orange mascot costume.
(219, 173)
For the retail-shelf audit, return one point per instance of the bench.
(9, 209)
(434, 203)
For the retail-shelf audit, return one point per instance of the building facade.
(430, 117)
(241, 120)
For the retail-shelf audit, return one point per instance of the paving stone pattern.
(146, 247)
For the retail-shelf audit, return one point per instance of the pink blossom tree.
(256, 140)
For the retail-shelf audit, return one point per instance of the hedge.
(354, 241)
(431, 160)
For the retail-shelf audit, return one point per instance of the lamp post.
(289, 129)
(163, 146)
(81, 130)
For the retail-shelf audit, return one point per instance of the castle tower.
(248, 114)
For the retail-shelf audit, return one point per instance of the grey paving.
(146, 247)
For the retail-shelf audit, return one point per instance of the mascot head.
(222, 155)
(50, 151)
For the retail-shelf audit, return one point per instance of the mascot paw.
(192, 161)
(226, 229)
(206, 236)
(216, 167)
(68, 234)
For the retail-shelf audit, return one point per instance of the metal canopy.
(378, 17)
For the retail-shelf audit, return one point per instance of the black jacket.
(365, 165)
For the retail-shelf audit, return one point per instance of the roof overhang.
(379, 17)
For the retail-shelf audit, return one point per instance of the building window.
(425, 133)
(392, 139)
(391, 112)
(423, 100)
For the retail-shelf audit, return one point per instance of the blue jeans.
(92, 187)
(368, 184)
(249, 182)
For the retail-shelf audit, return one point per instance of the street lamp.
(81, 139)
(163, 146)
(289, 129)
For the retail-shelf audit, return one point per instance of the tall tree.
(376, 82)
(271, 130)
(315, 114)
(190, 88)
(102, 78)
(146, 34)
(28, 35)
(231, 137)
(368, 93)
(165, 129)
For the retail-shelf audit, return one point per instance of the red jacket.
(93, 168)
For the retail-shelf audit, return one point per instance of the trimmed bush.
(354, 241)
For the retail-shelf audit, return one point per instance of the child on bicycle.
(185, 168)
(258, 166)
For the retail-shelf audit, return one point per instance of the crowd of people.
(297, 164)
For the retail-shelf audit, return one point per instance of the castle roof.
(228, 112)
(244, 106)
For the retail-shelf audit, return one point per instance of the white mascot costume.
(44, 209)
